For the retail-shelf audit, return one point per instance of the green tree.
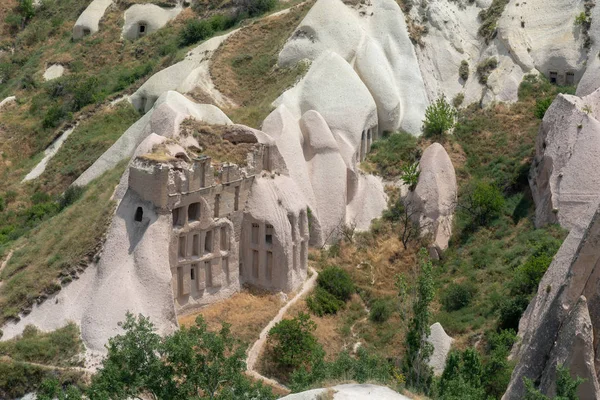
(440, 117)
(482, 202)
(418, 349)
(337, 282)
(566, 387)
(192, 363)
(293, 342)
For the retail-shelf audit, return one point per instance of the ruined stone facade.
(216, 244)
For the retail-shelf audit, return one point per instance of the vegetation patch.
(245, 65)
(32, 357)
(58, 248)
(489, 19)
(485, 68)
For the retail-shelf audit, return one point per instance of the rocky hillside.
(172, 158)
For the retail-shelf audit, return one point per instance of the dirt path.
(5, 262)
(257, 347)
(45, 366)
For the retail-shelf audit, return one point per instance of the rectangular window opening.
(194, 212)
(255, 234)
(196, 245)
(236, 201)
(269, 266)
(255, 264)
(208, 242)
(224, 239)
(217, 201)
(269, 234)
(182, 245)
(208, 273)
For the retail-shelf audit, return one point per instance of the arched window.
(139, 214)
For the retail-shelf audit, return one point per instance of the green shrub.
(489, 19)
(582, 19)
(458, 295)
(255, 8)
(322, 302)
(530, 274)
(510, 312)
(293, 342)
(337, 282)
(70, 196)
(195, 31)
(482, 201)
(440, 117)
(485, 68)
(463, 70)
(541, 106)
(54, 116)
(381, 311)
(458, 100)
(393, 152)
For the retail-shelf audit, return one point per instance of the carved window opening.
(139, 214)
(196, 245)
(217, 201)
(269, 266)
(236, 201)
(255, 264)
(254, 234)
(224, 241)
(194, 212)
(182, 243)
(208, 242)
(553, 76)
(269, 235)
(142, 29)
(570, 78)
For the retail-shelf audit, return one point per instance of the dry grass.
(244, 67)
(213, 140)
(248, 312)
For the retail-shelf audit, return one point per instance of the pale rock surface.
(272, 199)
(374, 40)
(327, 172)
(441, 343)
(434, 198)
(351, 391)
(7, 101)
(564, 175)
(556, 322)
(332, 88)
(164, 118)
(185, 76)
(591, 77)
(368, 203)
(54, 71)
(88, 21)
(151, 16)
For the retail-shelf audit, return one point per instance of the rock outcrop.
(564, 175)
(560, 325)
(87, 23)
(433, 201)
(349, 391)
(143, 19)
(373, 40)
(441, 343)
(54, 71)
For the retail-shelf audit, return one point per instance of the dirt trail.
(257, 347)
(5, 262)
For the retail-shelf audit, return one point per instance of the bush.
(485, 68)
(255, 8)
(482, 202)
(458, 100)
(410, 175)
(440, 117)
(511, 311)
(391, 153)
(381, 311)
(322, 302)
(458, 295)
(71, 195)
(195, 31)
(463, 70)
(541, 106)
(337, 282)
(293, 342)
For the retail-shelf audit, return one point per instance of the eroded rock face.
(434, 198)
(143, 19)
(564, 175)
(87, 23)
(441, 343)
(560, 324)
(372, 39)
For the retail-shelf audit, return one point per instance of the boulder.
(441, 343)
(433, 201)
(563, 178)
(7, 101)
(54, 71)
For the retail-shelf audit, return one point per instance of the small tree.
(482, 201)
(418, 350)
(293, 342)
(337, 282)
(440, 117)
(566, 387)
(410, 175)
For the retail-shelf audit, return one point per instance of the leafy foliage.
(337, 282)
(541, 106)
(418, 349)
(458, 295)
(191, 363)
(440, 117)
(482, 202)
(410, 175)
(392, 153)
(489, 19)
(293, 342)
(566, 387)
(322, 302)
(485, 68)
(381, 311)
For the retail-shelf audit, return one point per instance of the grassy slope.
(57, 246)
(245, 65)
(59, 348)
